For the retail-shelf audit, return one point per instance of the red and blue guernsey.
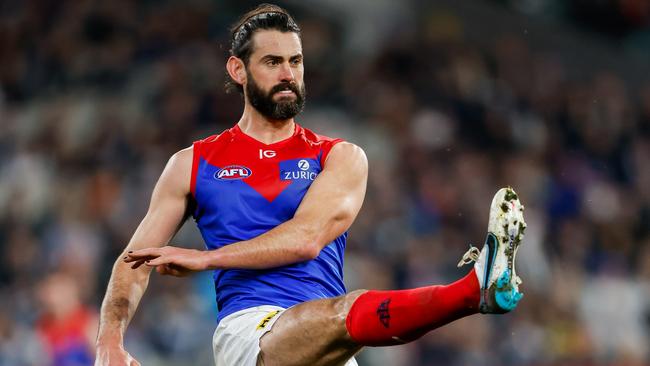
(244, 188)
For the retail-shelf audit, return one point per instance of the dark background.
(450, 99)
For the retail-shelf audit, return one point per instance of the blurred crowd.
(95, 97)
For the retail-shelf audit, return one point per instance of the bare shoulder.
(178, 172)
(183, 157)
(347, 159)
(347, 153)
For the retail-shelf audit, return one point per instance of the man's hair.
(264, 17)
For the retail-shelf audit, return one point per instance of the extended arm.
(126, 286)
(327, 211)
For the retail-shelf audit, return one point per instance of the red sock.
(382, 318)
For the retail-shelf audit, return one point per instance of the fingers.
(149, 261)
(133, 361)
(158, 261)
(139, 257)
(163, 259)
(129, 259)
(170, 270)
(147, 253)
(164, 269)
(137, 264)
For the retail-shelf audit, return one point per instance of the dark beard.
(264, 103)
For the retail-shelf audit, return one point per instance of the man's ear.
(236, 70)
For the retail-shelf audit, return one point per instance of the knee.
(351, 297)
(344, 303)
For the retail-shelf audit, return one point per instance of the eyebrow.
(280, 58)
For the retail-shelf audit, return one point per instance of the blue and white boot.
(495, 264)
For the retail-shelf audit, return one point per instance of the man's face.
(274, 75)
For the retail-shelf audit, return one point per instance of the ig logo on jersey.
(233, 172)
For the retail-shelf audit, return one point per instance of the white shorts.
(236, 341)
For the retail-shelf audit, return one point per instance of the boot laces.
(470, 256)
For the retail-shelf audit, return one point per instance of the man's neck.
(263, 129)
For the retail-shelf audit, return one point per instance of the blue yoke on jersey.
(244, 188)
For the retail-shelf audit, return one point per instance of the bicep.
(336, 195)
(168, 206)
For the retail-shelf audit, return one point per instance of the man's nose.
(286, 72)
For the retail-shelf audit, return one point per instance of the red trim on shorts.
(196, 154)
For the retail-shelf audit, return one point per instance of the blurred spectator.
(94, 98)
(67, 327)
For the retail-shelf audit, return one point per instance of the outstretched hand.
(169, 260)
(114, 355)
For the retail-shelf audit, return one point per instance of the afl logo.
(303, 164)
(232, 172)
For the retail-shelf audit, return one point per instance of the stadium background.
(450, 100)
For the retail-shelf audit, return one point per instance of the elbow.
(309, 247)
(308, 251)
(314, 239)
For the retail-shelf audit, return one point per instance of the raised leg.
(329, 332)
